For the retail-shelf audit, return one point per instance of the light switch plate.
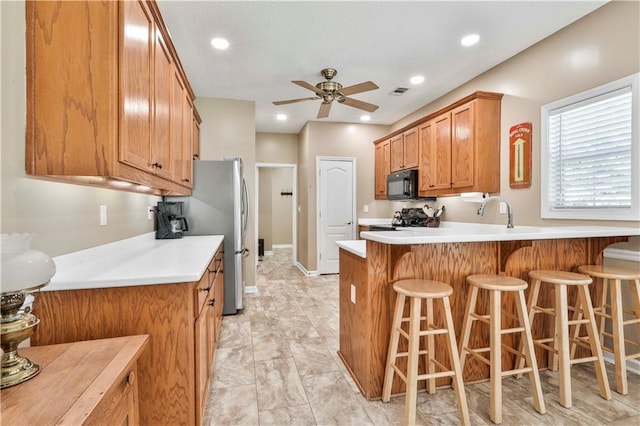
(149, 212)
(103, 215)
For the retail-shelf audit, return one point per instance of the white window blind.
(590, 153)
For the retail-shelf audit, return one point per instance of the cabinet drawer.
(118, 406)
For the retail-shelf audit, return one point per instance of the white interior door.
(336, 208)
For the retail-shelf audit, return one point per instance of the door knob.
(349, 223)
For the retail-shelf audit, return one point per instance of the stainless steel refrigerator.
(219, 206)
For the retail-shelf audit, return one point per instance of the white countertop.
(455, 232)
(140, 260)
(374, 221)
(357, 247)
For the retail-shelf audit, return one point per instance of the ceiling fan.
(330, 91)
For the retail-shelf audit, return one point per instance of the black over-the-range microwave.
(402, 185)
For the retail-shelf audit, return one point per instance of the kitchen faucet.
(509, 211)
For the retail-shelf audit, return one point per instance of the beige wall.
(276, 148)
(265, 207)
(64, 217)
(228, 130)
(281, 206)
(336, 140)
(601, 47)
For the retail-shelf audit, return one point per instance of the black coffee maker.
(169, 220)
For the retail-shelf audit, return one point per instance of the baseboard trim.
(633, 365)
(276, 246)
(251, 289)
(304, 271)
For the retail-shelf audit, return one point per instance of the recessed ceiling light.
(281, 117)
(365, 117)
(219, 43)
(417, 79)
(470, 40)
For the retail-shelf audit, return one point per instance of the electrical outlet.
(103, 215)
(503, 207)
(353, 294)
(366, 208)
(149, 212)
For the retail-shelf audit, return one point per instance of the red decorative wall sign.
(520, 155)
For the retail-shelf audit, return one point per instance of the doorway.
(336, 201)
(275, 201)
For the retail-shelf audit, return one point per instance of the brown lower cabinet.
(101, 389)
(182, 321)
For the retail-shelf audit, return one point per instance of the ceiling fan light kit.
(330, 91)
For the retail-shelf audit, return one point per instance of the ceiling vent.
(399, 91)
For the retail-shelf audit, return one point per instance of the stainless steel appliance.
(402, 185)
(170, 222)
(219, 205)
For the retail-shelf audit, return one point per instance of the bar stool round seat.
(417, 291)
(496, 285)
(615, 311)
(582, 314)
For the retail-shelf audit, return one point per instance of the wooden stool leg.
(619, 355)
(562, 345)
(603, 309)
(577, 316)
(635, 293)
(530, 355)
(393, 348)
(412, 362)
(495, 307)
(534, 292)
(463, 409)
(467, 324)
(431, 368)
(594, 341)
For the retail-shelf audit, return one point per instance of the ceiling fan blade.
(358, 88)
(359, 104)
(291, 101)
(308, 86)
(325, 107)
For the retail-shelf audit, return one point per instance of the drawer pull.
(212, 302)
(131, 377)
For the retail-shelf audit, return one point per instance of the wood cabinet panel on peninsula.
(181, 319)
(100, 96)
(457, 147)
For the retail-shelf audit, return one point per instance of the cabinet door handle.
(158, 165)
(196, 156)
(185, 180)
(131, 378)
(212, 302)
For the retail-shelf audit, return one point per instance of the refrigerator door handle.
(245, 207)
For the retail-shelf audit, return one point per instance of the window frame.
(606, 213)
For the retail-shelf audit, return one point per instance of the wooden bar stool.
(418, 290)
(496, 285)
(612, 278)
(560, 341)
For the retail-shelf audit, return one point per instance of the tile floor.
(276, 364)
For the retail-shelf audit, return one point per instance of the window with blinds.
(590, 166)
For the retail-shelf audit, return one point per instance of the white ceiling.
(274, 42)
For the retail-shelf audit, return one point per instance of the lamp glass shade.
(23, 269)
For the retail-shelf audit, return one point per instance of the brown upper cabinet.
(404, 151)
(458, 147)
(382, 168)
(107, 103)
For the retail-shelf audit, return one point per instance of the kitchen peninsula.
(449, 253)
